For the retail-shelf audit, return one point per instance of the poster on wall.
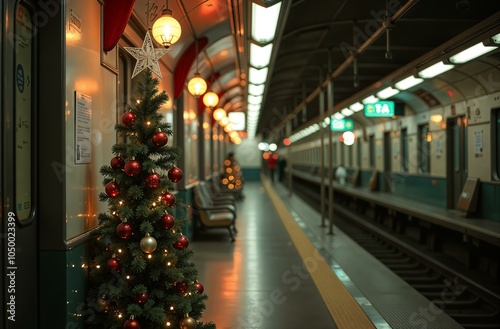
(83, 112)
(478, 144)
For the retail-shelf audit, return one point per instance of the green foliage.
(158, 274)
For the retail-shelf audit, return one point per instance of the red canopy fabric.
(116, 16)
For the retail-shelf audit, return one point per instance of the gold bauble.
(188, 323)
(148, 244)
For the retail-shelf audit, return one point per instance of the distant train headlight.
(348, 138)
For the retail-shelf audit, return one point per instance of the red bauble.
(182, 286)
(168, 199)
(141, 298)
(113, 264)
(175, 174)
(199, 288)
(153, 180)
(167, 221)
(160, 138)
(124, 230)
(181, 243)
(112, 189)
(117, 163)
(132, 168)
(131, 324)
(128, 119)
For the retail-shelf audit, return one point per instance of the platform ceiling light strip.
(257, 76)
(253, 107)
(387, 92)
(356, 107)
(338, 116)
(264, 22)
(407, 83)
(496, 38)
(256, 100)
(347, 112)
(370, 99)
(435, 70)
(471, 53)
(256, 90)
(260, 56)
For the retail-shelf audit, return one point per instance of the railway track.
(462, 295)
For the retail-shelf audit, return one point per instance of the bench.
(212, 216)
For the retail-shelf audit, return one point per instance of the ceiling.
(350, 43)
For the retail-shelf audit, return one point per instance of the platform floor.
(270, 278)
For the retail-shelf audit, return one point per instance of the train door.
(456, 133)
(19, 222)
(387, 162)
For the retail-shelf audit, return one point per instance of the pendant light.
(197, 86)
(166, 29)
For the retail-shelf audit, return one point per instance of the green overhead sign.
(341, 125)
(382, 109)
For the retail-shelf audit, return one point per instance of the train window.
(496, 143)
(372, 151)
(342, 154)
(24, 114)
(335, 153)
(350, 156)
(358, 155)
(424, 148)
(404, 150)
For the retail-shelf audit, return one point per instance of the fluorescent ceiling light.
(434, 70)
(408, 83)
(327, 120)
(257, 76)
(356, 107)
(256, 89)
(256, 100)
(387, 92)
(347, 112)
(338, 116)
(496, 38)
(260, 56)
(253, 107)
(264, 22)
(370, 100)
(471, 53)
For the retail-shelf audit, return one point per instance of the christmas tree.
(140, 274)
(232, 177)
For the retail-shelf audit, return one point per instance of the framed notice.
(478, 144)
(83, 115)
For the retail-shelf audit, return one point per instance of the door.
(457, 160)
(19, 222)
(387, 162)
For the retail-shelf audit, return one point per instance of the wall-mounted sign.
(83, 112)
(382, 109)
(341, 125)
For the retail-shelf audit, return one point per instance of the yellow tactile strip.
(343, 308)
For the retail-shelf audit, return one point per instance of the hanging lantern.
(166, 29)
(219, 114)
(197, 86)
(210, 99)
